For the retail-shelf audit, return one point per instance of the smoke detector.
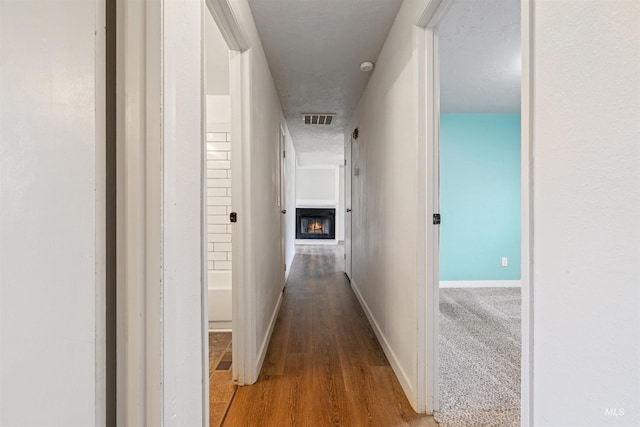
(366, 66)
(318, 118)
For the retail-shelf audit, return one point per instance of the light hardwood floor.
(324, 365)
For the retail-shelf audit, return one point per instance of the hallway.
(324, 365)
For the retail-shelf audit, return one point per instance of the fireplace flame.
(316, 228)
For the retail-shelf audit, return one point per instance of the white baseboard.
(402, 376)
(316, 242)
(480, 283)
(265, 342)
(219, 326)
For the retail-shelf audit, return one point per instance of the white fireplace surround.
(319, 186)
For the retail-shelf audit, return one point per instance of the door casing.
(282, 203)
(243, 325)
(148, 374)
(348, 175)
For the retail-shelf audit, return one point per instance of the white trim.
(348, 204)
(327, 166)
(267, 337)
(219, 327)
(230, 29)
(204, 246)
(317, 242)
(100, 174)
(402, 376)
(424, 359)
(480, 284)
(329, 204)
(280, 196)
(428, 186)
(526, 141)
(282, 199)
(139, 214)
(223, 328)
(243, 295)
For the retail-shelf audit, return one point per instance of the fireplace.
(314, 223)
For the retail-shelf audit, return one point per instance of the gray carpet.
(479, 357)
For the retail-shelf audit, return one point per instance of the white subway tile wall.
(219, 200)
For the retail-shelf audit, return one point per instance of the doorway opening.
(476, 209)
(228, 337)
(479, 189)
(219, 229)
(348, 185)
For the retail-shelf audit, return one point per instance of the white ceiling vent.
(317, 119)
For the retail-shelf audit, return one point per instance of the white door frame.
(526, 221)
(139, 341)
(428, 198)
(148, 360)
(348, 206)
(282, 202)
(243, 324)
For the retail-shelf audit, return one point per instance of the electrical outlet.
(505, 261)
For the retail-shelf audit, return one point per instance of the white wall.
(51, 190)
(317, 186)
(266, 260)
(586, 201)
(384, 198)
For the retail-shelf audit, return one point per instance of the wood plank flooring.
(324, 366)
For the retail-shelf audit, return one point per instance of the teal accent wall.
(479, 196)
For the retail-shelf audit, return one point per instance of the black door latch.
(436, 219)
(233, 217)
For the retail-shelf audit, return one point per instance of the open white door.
(282, 203)
(347, 203)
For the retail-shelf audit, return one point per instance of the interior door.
(282, 202)
(348, 176)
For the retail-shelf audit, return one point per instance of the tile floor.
(221, 387)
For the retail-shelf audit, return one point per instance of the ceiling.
(480, 57)
(314, 49)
